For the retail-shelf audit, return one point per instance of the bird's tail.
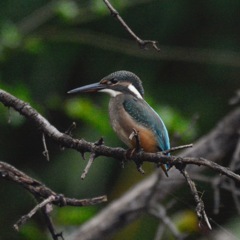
(165, 169)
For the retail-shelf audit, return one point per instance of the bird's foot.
(132, 151)
(130, 155)
(138, 149)
(135, 134)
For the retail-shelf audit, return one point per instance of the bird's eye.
(113, 80)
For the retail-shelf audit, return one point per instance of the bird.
(128, 112)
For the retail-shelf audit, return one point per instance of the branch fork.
(92, 157)
(142, 43)
(26, 217)
(200, 210)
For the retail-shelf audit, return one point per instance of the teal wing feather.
(139, 110)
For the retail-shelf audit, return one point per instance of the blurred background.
(49, 47)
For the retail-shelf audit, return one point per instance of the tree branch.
(46, 214)
(142, 43)
(26, 217)
(200, 205)
(40, 191)
(99, 149)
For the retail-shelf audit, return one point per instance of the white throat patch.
(111, 92)
(134, 91)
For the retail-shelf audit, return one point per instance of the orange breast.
(123, 124)
(147, 140)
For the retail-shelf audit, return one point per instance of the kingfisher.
(128, 112)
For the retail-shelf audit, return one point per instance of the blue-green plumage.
(128, 110)
(142, 113)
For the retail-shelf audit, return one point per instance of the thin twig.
(142, 43)
(89, 164)
(200, 205)
(45, 152)
(26, 217)
(172, 149)
(100, 142)
(69, 132)
(71, 128)
(51, 228)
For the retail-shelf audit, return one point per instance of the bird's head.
(120, 82)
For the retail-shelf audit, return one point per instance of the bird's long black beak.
(95, 87)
